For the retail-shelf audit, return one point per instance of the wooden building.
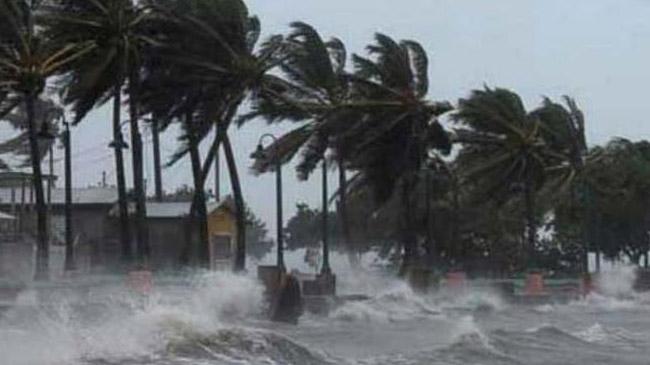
(169, 233)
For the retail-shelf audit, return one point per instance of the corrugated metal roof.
(92, 195)
(168, 209)
(6, 217)
(177, 209)
(173, 209)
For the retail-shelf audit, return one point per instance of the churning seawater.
(216, 318)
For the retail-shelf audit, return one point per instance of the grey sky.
(594, 50)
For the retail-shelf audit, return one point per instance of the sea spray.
(617, 281)
(110, 322)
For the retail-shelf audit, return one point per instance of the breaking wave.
(108, 322)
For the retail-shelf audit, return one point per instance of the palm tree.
(27, 60)
(392, 128)
(215, 42)
(314, 83)
(507, 149)
(563, 130)
(116, 32)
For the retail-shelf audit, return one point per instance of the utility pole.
(21, 223)
(217, 168)
(49, 179)
(156, 158)
(69, 240)
(217, 177)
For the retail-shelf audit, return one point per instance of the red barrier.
(534, 284)
(140, 281)
(456, 280)
(587, 284)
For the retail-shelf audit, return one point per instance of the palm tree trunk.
(42, 248)
(138, 178)
(409, 240)
(531, 224)
(353, 256)
(430, 249)
(199, 214)
(458, 246)
(217, 169)
(155, 133)
(240, 255)
(125, 231)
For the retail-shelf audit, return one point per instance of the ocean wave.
(242, 346)
(112, 323)
(397, 303)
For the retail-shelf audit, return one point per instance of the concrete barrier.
(642, 280)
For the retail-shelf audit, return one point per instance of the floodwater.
(216, 318)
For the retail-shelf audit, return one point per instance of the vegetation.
(499, 188)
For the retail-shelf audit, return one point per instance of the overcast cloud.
(594, 50)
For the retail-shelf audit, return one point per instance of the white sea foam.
(126, 325)
(618, 281)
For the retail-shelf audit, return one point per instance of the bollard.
(642, 280)
(534, 284)
(586, 284)
(456, 280)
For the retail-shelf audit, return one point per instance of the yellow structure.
(222, 234)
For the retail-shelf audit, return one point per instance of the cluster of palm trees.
(200, 64)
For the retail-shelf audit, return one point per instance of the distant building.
(96, 227)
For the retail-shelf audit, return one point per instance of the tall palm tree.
(391, 128)
(216, 42)
(314, 83)
(116, 33)
(507, 149)
(27, 59)
(563, 130)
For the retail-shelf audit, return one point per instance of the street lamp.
(259, 154)
(326, 269)
(69, 244)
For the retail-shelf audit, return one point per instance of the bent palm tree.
(217, 45)
(115, 32)
(27, 60)
(507, 149)
(389, 128)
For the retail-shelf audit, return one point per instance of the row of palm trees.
(198, 63)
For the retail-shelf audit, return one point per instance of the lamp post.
(70, 264)
(118, 144)
(325, 270)
(259, 154)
